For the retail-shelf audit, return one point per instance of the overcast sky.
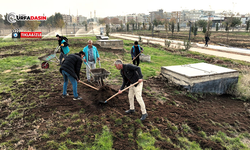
(117, 7)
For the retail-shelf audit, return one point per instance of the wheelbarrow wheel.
(45, 65)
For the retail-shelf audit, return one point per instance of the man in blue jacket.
(135, 50)
(90, 58)
(64, 48)
(131, 74)
(70, 69)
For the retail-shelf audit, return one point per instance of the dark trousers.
(137, 60)
(206, 43)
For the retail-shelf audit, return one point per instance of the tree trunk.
(227, 35)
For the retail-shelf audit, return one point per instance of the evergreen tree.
(248, 24)
(172, 28)
(178, 27)
(217, 26)
(195, 29)
(204, 29)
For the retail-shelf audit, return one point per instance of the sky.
(106, 8)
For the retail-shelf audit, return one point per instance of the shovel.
(136, 57)
(117, 93)
(89, 85)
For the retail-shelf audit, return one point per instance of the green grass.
(186, 128)
(146, 141)
(159, 58)
(45, 136)
(229, 142)
(103, 141)
(155, 132)
(9, 42)
(15, 64)
(186, 144)
(75, 116)
(14, 114)
(63, 134)
(118, 121)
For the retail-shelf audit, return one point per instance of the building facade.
(156, 15)
(67, 19)
(81, 19)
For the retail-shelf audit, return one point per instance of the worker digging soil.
(132, 74)
(70, 70)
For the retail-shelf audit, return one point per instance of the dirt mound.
(13, 47)
(34, 67)
(103, 94)
(31, 53)
(35, 71)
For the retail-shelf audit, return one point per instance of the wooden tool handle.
(136, 56)
(122, 91)
(89, 85)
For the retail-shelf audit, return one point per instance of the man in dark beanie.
(70, 69)
(135, 50)
(63, 43)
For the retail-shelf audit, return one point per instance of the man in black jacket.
(131, 74)
(70, 69)
(206, 40)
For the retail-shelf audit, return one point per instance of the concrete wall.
(114, 44)
(219, 86)
(217, 83)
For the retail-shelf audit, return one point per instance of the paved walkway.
(220, 51)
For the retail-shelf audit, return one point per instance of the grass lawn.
(145, 139)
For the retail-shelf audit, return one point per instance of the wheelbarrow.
(49, 57)
(99, 74)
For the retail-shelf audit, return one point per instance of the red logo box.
(31, 34)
